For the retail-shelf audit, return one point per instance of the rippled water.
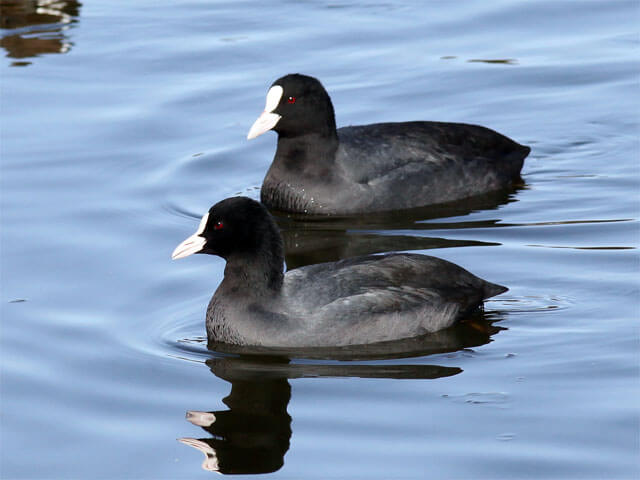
(122, 122)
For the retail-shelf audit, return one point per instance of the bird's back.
(402, 165)
(381, 297)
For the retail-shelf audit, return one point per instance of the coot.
(356, 301)
(372, 168)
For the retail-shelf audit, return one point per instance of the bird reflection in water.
(34, 27)
(310, 240)
(253, 435)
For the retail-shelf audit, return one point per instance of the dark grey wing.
(381, 297)
(376, 150)
(394, 279)
(428, 162)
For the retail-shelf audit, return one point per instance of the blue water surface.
(122, 122)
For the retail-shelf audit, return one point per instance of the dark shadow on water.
(309, 240)
(254, 434)
(495, 61)
(34, 27)
(305, 247)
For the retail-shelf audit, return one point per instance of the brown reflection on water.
(34, 27)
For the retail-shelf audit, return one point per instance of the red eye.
(291, 100)
(218, 226)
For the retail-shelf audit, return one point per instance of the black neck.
(311, 155)
(256, 275)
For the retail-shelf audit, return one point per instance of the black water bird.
(357, 301)
(321, 170)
